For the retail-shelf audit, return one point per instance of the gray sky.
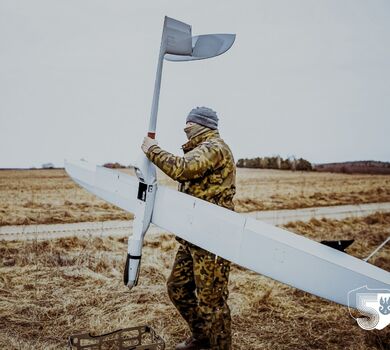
(305, 78)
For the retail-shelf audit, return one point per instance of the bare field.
(51, 289)
(282, 189)
(50, 196)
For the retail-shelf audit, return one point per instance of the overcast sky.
(305, 78)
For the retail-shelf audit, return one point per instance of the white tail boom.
(176, 41)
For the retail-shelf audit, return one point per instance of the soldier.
(198, 284)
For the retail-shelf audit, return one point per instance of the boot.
(193, 344)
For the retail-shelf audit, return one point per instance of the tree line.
(276, 162)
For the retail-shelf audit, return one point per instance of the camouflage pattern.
(198, 287)
(198, 284)
(207, 170)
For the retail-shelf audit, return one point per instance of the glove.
(148, 142)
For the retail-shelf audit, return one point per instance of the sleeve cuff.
(151, 150)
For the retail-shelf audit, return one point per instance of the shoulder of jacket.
(217, 142)
(211, 143)
(216, 145)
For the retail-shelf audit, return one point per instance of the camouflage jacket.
(207, 169)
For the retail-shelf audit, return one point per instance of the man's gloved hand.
(148, 142)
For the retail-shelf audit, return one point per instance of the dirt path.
(123, 228)
(282, 217)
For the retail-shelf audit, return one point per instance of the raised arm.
(192, 165)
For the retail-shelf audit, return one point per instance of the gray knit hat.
(203, 116)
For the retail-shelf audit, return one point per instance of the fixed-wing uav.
(274, 252)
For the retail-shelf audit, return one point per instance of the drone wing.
(269, 250)
(113, 186)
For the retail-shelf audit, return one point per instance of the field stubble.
(50, 196)
(51, 289)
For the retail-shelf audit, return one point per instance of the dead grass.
(275, 189)
(50, 196)
(51, 289)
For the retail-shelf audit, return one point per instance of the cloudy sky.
(305, 78)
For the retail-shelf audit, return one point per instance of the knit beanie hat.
(203, 116)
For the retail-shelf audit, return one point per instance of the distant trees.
(275, 162)
(356, 167)
(48, 166)
(303, 165)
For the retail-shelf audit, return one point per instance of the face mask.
(193, 130)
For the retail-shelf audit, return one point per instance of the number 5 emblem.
(374, 304)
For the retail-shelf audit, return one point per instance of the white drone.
(271, 251)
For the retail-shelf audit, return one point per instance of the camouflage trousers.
(198, 287)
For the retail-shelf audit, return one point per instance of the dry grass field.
(51, 289)
(278, 189)
(50, 196)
